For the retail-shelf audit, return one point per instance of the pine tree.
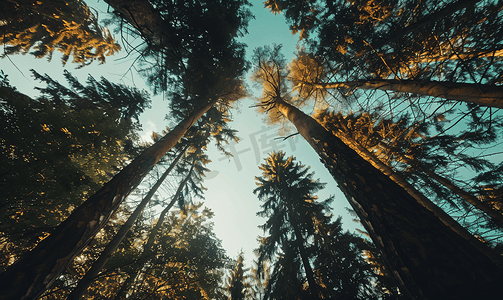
(237, 282)
(382, 205)
(301, 234)
(42, 27)
(57, 151)
(198, 86)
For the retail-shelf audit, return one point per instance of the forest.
(400, 102)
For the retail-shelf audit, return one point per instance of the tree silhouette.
(219, 82)
(60, 149)
(237, 283)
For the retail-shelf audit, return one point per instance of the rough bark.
(485, 95)
(427, 259)
(421, 199)
(38, 269)
(105, 255)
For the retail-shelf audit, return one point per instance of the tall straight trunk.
(481, 94)
(147, 249)
(420, 198)
(38, 269)
(427, 259)
(313, 287)
(105, 255)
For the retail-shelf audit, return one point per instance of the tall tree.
(294, 212)
(237, 284)
(415, 244)
(69, 27)
(409, 148)
(114, 243)
(287, 191)
(405, 47)
(201, 86)
(309, 78)
(58, 148)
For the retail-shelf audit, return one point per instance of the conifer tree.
(42, 27)
(59, 148)
(332, 263)
(211, 76)
(237, 282)
(381, 204)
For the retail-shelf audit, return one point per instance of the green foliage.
(300, 233)
(69, 27)
(238, 286)
(416, 150)
(55, 152)
(187, 261)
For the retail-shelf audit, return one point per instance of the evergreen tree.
(56, 151)
(381, 204)
(417, 53)
(430, 162)
(42, 27)
(237, 283)
(199, 85)
(301, 234)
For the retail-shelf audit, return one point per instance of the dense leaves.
(302, 243)
(42, 27)
(56, 150)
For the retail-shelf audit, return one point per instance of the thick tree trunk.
(38, 269)
(105, 255)
(420, 198)
(427, 259)
(485, 95)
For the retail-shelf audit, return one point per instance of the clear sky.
(231, 182)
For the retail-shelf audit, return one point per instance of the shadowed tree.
(59, 148)
(237, 282)
(416, 245)
(299, 225)
(287, 191)
(409, 150)
(199, 87)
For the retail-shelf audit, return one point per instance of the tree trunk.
(38, 269)
(147, 249)
(146, 19)
(420, 198)
(427, 259)
(485, 95)
(105, 255)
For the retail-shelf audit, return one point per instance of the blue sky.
(231, 182)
